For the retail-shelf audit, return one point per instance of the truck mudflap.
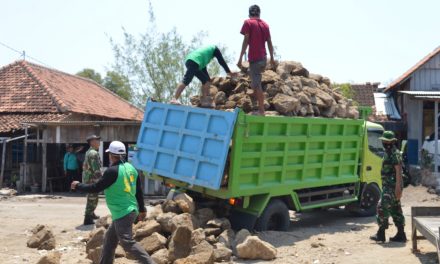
(185, 143)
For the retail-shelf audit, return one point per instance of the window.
(374, 143)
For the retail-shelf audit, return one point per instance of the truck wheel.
(274, 217)
(367, 205)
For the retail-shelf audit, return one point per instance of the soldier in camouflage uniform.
(392, 185)
(91, 174)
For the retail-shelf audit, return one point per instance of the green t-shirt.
(202, 56)
(121, 195)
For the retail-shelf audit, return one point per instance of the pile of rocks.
(290, 90)
(177, 232)
(42, 238)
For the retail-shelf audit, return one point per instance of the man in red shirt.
(256, 34)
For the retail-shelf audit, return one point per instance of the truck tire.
(274, 217)
(367, 205)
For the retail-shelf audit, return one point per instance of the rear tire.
(367, 205)
(274, 217)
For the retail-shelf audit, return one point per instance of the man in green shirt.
(196, 62)
(91, 174)
(125, 200)
(70, 165)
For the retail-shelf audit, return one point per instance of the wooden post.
(44, 162)
(25, 154)
(3, 163)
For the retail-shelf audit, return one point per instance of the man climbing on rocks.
(392, 185)
(125, 200)
(196, 63)
(256, 34)
(91, 174)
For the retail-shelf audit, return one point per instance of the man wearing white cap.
(124, 197)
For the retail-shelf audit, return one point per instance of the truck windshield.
(374, 143)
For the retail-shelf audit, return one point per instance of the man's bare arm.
(243, 50)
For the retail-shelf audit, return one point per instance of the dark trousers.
(121, 231)
(72, 175)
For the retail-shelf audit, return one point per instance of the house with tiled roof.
(416, 92)
(42, 109)
(363, 93)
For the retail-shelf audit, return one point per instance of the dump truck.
(260, 167)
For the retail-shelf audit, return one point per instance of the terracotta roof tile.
(12, 122)
(28, 87)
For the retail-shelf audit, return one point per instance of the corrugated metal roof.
(421, 93)
(385, 106)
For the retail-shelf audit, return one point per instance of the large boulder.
(241, 236)
(285, 68)
(146, 228)
(161, 256)
(197, 236)
(165, 221)
(185, 203)
(227, 238)
(154, 212)
(255, 248)
(180, 243)
(42, 238)
(303, 98)
(353, 112)
(153, 243)
(270, 77)
(104, 221)
(325, 97)
(203, 215)
(285, 104)
(171, 206)
(220, 98)
(222, 253)
(184, 219)
(96, 239)
(341, 110)
(200, 254)
(94, 255)
(53, 257)
(316, 77)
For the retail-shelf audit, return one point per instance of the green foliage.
(90, 74)
(115, 82)
(346, 90)
(154, 62)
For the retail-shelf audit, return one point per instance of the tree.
(115, 82)
(154, 62)
(118, 84)
(90, 74)
(345, 89)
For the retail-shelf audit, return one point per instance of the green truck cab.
(261, 167)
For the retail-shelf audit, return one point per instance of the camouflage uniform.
(91, 174)
(389, 205)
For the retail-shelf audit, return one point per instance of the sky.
(346, 40)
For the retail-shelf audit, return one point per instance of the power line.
(22, 54)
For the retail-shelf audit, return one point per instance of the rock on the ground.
(154, 212)
(222, 223)
(96, 239)
(171, 206)
(241, 236)
(212, 231)
(222, 253)
(255, 248)
(185, 203)
(203, 253)
(120, 253)
(184, 219)
(227, 238)
(153, 243)
(146, 228)
(104, 221)
(7, 192)
(165, 221)
(203, 215)
(180, 243)
(53, 257)
(94, 255)
(211, 239)
(161, 256)
(197, 236)
(42, 239)
(285, 104)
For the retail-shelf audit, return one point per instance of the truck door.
(372, 156)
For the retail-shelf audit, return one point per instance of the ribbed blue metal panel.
(185, 143)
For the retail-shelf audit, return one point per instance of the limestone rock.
(285, 104)
(185, 203)
(42, 238)
(241, 236)
(197, 236)
(96, 239)
(104, 221)
(203, 215)
(255, 248)
(212, 231)
(270, 77)
(53, 257)
(161, 256)
(222, 223)
(147, 228)
(171, 206)
(227, 238)
(94, 255)
(222, 253)
(200, 254)
(154, 212)
(165, 221)
(120, 253)
(180, 243)
(211, 239)
(220, 98)
(184, 219)
(153, 243)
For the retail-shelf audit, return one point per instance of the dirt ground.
(317, 237)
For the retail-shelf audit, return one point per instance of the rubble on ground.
(172, 234)
(7, 192)
(290, 90)
(42, 238)
(53, 257)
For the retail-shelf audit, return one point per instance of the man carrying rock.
(123, 194)
(392, 186)
(91, 174)
(196, 63)
(256, 34)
